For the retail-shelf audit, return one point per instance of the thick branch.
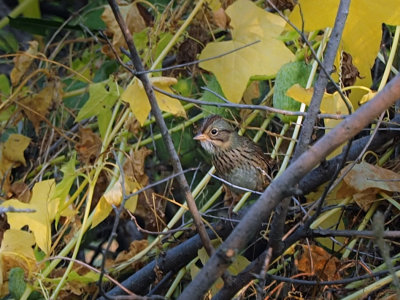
(278, 223)
(137, 63)
(278, 189)
(322, 81)
(173, 260)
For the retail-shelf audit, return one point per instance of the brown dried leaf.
(36, 106)
(133, 125)
(20, 191)
(89, 146)
(134, 166)
(151, 208)
(221, 18)
(366, 177)
(316, 261)
(23, 62)
(283, 4)
(349, 71)
(133, 20)
(134, 248)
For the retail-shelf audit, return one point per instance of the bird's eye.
(214, 131)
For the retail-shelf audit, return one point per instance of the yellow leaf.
(114, 197)
(368, 96)
(102, 210)
(16, 251)
(131, 204)
(362, 45)
(331, 104)
(238, 265)
(39, 222)
(250, 23)
(139, 103)
(23, 62)
(13, 149)
(213, 4)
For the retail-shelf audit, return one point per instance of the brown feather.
(237, 159)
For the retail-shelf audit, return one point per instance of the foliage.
(80, 148)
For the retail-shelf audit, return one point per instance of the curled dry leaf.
(150, 207)
(134, 166)
(134, 248)
(349, 71)
(133, 20)
(37, 106)
(20, 191)
(22, 62)
(364, 181)
(221, 18)
(316, 261)
(89, 146)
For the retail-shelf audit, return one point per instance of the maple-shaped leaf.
(362, 33)
(140, 105)
(102, 97)
(39, 222)
(249, 24)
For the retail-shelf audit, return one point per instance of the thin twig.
(195, 61)
(281, 186)
(248, 106)
(137, 63)
(10, 209)
(331, 282)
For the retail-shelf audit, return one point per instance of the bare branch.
(137, 63)
(278, 189)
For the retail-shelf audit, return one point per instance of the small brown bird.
(236, 158)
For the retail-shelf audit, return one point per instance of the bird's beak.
(201, 137)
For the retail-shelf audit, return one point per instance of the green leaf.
(288, 75)
(32, 10)
(93, 21)
(8, 42)
(4, 85)
(40, 26)
(214, 86)
(89, 277)
(16, 283)
(102, 97)
(63, 187)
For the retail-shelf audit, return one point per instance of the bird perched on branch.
(237, 159)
